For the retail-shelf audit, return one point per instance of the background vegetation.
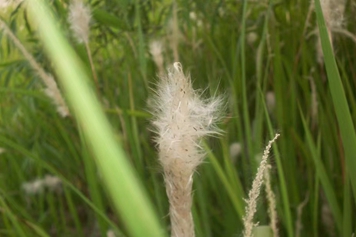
(262, 55)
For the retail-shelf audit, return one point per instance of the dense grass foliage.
(97, 170)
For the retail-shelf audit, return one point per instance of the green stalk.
(246, 117)
(344, 119)
(124, 188)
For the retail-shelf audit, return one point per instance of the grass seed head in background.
(235, 151)
(156, 50)
(79, 19)
(182, 118)
(37, 186)
(333, 11)
(51, 90)
(271, 198)
(255, 192)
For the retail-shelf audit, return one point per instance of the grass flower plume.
(181, 120)
(255, 192)
(156, 49)
(51, 90)
(79, 19)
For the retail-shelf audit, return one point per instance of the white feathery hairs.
(181, 119)
(79, 18)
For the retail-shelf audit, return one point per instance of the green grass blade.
(126, 191)
(245, 106)
(37, 229)
(341, 106)
(15, 222)
(347, 223)
(281, 174)
(233, 194)
(324, 179)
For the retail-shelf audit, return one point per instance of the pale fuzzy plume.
(51, 90)
(37, 186)
(221, 11)
(156, 50)
(34, 187)
(333, 11)
(79, 19)
(235, 151)
(271, 198)
(4, 4)
(270, 101)
(193, 16)
(255, 191)
(181, 120)
(110, 233)
(252, 38)
(53, 183)
(298, 222)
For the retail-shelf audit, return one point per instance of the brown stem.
(92, 66)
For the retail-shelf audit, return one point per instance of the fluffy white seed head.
(79, 19)
(252, 37)
(270, 101)
(156, 47)
(33, 187)
(53, 183)
(110, 233)
(333, 11)
(37, 186)
(235, 151)
(156, 50)
(182, 118)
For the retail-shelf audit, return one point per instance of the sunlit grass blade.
(126, 191)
